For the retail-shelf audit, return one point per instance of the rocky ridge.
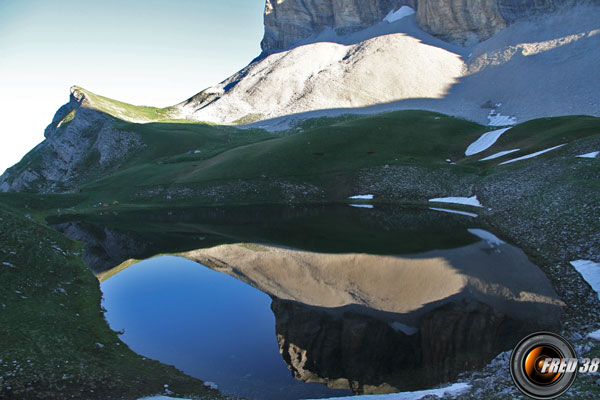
(81, 143)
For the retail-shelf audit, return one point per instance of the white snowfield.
(593, 154)
(532, 155)
(469, 201)
(456, 389)
(485, 141)
(492, 239)
(499, 154)
(594, 335)
(397, 15)
(468, 214)
(534, 68)
(590, 271)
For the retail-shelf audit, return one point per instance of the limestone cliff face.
(290, 21)
(466, 22)
(81, 143)
(460, 21)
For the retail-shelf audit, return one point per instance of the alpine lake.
(304, 302)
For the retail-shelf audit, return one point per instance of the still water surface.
(208, 324)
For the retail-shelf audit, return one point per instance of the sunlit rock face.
(464, 22)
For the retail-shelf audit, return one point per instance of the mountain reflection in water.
(382, 324)
(354, 322)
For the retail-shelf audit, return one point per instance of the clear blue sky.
(144, 52)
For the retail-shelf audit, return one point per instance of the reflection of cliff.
(348, 352)
(111, 240)
(351, 350)
(104, 247)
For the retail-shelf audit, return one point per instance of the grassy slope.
(341, 147)
(323, 153)
(55, 341)
(125, 111)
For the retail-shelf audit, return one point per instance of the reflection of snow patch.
(469, 201)
(468, 214)
(361, 205)
(484, 142)
(531, 155)
(492, 239)
(593, 154)
(454, 390)
(590, 271)
(499, 154)
(497, 119)
(362, 197)
(402, 12)
(406, 329)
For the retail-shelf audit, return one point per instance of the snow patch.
(159, 397)
(362, 197)
(593, 154)
(361, 205)
(497, 119)
(402, 12)
(8, 264)
(532, 155)
(594, 335)
(456, 389)
(590, 271)
(469, 201)
(468, 214)
(484, 142)
(499, 154)
(211, 385)
(492, 239)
